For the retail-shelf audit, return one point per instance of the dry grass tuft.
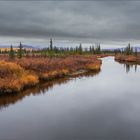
(13, 77)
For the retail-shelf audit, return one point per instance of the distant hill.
(4, 46)
(24, 46)
(30, 47)
(113, 49)
(138, 48)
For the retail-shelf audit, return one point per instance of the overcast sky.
(77, 21)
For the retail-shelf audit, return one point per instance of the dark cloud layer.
(103, 20)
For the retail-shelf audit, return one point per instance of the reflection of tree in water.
(9, 99)
(135, 68)
(128, 67)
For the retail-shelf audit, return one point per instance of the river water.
(105, 105)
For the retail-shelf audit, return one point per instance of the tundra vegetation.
(23, 68)
(129, 54)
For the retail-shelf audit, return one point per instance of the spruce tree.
(136, 52)
(99, 48)
(93, 50)
(20, 51)
(128, 49)
(11, 53)
(51, 44)
(80, 48)
(90, 49)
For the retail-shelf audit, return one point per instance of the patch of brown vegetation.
(13, 77)
(20, 73)
(47, 68)
(127, 58)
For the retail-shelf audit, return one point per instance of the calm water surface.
(101, 106)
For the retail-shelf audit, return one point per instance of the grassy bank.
(41, 88)
(27, 72)
(128, 58)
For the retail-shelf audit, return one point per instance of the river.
(105, 105)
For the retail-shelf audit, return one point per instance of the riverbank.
(128, 58)
(42, 87)
(19, 74)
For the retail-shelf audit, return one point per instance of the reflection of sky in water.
(106, 106)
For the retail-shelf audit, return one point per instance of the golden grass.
(93, 67)
(54, 74)
(13, 77)
(20, 73)
(126, 58)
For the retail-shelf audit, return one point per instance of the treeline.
(51, 51)
(19, 53)
(129, 50)
(61, 51)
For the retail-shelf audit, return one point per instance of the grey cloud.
(101, 20)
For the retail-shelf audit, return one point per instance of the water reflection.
(103, 107)
(129, 66)
(9, 99)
